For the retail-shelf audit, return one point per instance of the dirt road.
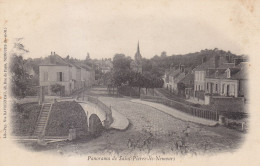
(154, 132)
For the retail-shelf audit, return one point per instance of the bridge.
(99, 115)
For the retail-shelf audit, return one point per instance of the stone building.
(229, 81)
(71, 76)
(200, 73)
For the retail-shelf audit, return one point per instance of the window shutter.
(41, 76)
(63, 78)
(58, 76)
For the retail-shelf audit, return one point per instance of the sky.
(104, 28)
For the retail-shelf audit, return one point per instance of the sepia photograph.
(132, 81)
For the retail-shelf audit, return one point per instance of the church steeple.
(138, 57)
(138, 50)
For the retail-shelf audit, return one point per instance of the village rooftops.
(54, 60)
(226, 65)
(188, 80)
(215, 73)
(86, 67)
(243, 73)
(229, 73)
(206, 65)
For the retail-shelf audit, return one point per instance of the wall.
(228, 104)
(78, 78)
(233, 87)
(199, 80)
(243, 91)
(52, 77)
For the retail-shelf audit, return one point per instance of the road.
(154, 132)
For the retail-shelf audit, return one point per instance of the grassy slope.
(24, 117)
(66, 115)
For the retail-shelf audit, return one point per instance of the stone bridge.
(99, 115)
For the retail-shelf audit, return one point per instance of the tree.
(121, 73)
(56, 88)
(121, 62)
(20, 78)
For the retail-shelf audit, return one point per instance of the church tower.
(138, 56)
(136, 65)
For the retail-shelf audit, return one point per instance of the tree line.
(153, 69)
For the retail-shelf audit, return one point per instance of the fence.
(194, 111)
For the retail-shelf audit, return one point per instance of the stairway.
(43, 119)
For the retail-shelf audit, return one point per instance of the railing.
(194, 111)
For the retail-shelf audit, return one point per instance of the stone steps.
(42, 119)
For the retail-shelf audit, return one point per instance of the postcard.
(129, 82)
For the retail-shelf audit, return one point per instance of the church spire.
(138, 57)
(138, 50)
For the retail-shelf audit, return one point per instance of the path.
(176, 113)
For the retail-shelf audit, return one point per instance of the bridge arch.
(95, 125)
(95, 117)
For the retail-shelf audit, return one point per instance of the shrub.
(56, 88)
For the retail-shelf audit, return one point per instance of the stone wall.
(228, 104)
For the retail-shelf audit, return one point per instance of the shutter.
(47, 78)
(63, 78)
(41, 76)
(58, 76)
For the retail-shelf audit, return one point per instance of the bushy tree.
(20, 80)
(56, 88)
(121, 62)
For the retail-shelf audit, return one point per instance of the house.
(71, 76)
(234, 81)
(166, 79)
(87, 75)
(200, 73)
(186, 85)
(175, 75)
(226, 89)
(227, 80)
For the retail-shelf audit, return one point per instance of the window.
(228, 73)
(60, 76)
(196, 76)
(216, 87)
(45, 76)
